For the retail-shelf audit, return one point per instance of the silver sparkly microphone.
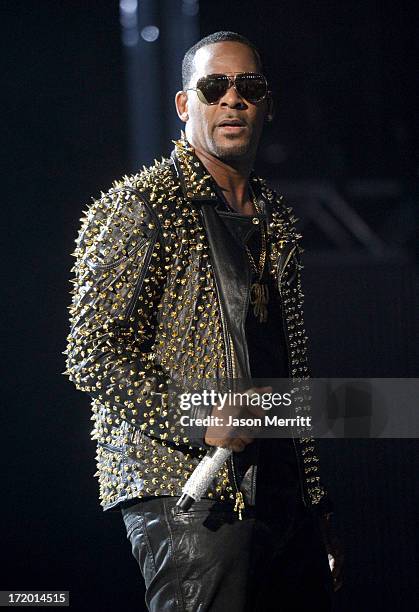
(198, 483)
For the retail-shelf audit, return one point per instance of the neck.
(234, 181)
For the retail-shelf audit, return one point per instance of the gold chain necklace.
(259, 292)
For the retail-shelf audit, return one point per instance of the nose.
(232, 99)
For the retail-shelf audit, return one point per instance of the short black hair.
(223, 36)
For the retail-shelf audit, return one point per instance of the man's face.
(203, 126)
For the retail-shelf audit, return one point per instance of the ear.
(181, 102)
(270, 110)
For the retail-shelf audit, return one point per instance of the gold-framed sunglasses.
(251, 86)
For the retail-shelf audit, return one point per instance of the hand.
(334, 549)
(229, 436)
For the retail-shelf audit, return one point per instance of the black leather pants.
(207, 559)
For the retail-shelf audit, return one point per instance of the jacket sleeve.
(320, 500)
(120, 272)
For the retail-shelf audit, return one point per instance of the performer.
(190, 269)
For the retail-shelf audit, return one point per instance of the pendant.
(259, 297)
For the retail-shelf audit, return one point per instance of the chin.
(232, 151)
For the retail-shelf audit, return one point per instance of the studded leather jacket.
(161, 291)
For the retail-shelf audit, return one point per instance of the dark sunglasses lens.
(212, 88)
(251, 87)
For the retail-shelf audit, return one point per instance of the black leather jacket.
(161, 292)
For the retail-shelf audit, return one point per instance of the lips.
(231, 123)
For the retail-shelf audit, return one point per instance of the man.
(188, 270)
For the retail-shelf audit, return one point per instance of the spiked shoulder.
(116, 223)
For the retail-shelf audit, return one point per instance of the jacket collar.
(195, 181)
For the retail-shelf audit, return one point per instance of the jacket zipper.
(140, 280)
(285, 328)
(239, 502)
(153, 239)
(231, 371)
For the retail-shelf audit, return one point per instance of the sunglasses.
(249, 85)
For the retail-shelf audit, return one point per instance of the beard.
(234, 152)
(231, 149)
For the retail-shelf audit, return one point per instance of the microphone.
(199, 481)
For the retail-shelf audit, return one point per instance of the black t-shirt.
(266, 340)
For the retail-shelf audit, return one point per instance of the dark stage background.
(344, 144)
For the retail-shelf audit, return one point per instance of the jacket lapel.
(232, 276)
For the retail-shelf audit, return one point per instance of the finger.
(221, 443)
(258, 390)
(245, 439)
(252, 410)
(237, 445)
(256, 411)
(243, 433)
(250, 433)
